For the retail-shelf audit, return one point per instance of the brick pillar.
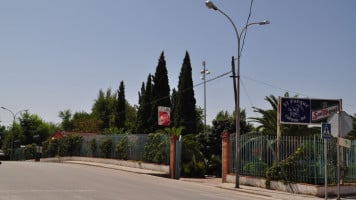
(172, 156)
(225, 157)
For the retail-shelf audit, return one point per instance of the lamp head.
(264, 22)
(210, 5)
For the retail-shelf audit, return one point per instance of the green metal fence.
(136, 146)
(258, 153)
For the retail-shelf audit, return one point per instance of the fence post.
(225, 138)
(172, 155)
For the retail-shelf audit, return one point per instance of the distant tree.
(211, 141)
(121, 107)
(130, 117)
(104, 108)
(160, 90)
(85, 122)
(66, 117)
(185, 103)
(145, 108)
(174, 113)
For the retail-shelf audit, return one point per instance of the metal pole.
(13, 129)
(204, 73)
(211, 5)
(326, 167)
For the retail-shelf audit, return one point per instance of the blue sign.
(295, 111)
(326, 130)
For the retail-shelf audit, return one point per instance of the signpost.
(326, 135)
(342, 123)
(315, 111)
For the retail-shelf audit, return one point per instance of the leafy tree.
(31, 125)
(160, 90)
(66, 116)
(121, 107)
(131, 117)
(185, 114)
(85, 122)
(104, 107)
(211, 141)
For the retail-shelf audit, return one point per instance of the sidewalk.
(211, 182)
(266, 193)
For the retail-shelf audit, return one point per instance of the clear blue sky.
(57, 55)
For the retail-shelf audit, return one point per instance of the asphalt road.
(52, 181)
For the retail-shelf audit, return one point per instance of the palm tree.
(268, 119)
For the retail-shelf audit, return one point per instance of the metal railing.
(302, 157)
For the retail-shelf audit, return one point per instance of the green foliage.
(194, 168)
(104, 108)
(157, 148)
(193, 164)
(174, 131)
(123, 148)
(184, 112)
(93, 147)
(145, 108)
(50, 148)
(290, 169)
(160, 90)
(70, 145)
(120, 116)
(65, 146)
(106, 148)
(254, 168)
(29, 151)
(67, 123)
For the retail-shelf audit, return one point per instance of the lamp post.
(204, 72)
(13, 128)
(211, 5)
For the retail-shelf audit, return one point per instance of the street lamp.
(204, 72)
(211, 5)
(13, 128)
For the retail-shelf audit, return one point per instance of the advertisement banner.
(164, 116)
(307, 111)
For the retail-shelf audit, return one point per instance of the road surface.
(52, 181)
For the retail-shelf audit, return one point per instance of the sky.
(57, 55)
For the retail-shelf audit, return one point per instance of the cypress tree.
(144, 110)
(160, 90)
(121, 112)
(185, 106)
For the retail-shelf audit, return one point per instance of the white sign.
(345, 126)
(344, 142)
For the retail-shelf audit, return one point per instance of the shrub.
(255, 168)
(93, 147)
(106, 148)
(122, 148)
(192, 158)
(157, 148)
(29, 151)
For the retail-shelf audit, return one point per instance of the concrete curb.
(112, 163)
